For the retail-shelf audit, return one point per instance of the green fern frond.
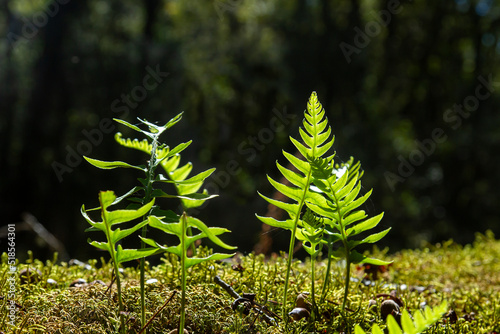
(422, 321)
(317, 141)
(162, 153)
(329, 190)
(341, 206)
(169, 160)
(181, 228)
(113, 235)
(178, 229)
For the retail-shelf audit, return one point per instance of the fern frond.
(112, 218)
(317, 141)
(178, 230)
(342, 206)
(169, 160)
(316, 137)
(113, 235)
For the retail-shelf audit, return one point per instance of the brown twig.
(260, 309)
(157, 312)
(16, 304)
(110, 285)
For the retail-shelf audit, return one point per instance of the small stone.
(152, 281)
(418, 289)
(51, 282)
(98, 281)
(299, 313)
(387, 307)
(75, 262)
(301, 301)
(30, 275)
(79, 282)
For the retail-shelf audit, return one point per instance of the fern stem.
(117, 272)
(346, 248)
(147, 199)
(313, 299)
(347, 281)
(183, 273)
(292, 244)
(120, 302)
(327, 274)
(288, 269)
(142, 280)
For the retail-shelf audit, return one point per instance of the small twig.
(226, 287)
(265, 309)
(16, 304)
(110, 285)
(157, 312)
(260, 309)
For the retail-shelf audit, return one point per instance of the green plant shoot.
(187, 189)
(339, 207)
(109, 220)
(422, 321)
(316, 136)
(157, 154)
(311, 235)
(179, 229)
(355, 171)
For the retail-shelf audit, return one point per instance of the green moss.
(466, 276)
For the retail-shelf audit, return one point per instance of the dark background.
(390, 75)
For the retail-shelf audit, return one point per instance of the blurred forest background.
(409, 88)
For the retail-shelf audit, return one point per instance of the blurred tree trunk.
(151, 7)
(8, 98)
(45, 118)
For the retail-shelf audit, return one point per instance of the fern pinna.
(316, 136)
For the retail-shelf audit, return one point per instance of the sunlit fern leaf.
(186, 241)
(153, 128)
(311, 233)
(407, 324)
(191, 185)
(317, 141)
(145, 146)
(112, 218)
(420, 323)
(341, 194)
(169, 160)
(112, 164)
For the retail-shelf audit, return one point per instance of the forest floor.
(74, 297)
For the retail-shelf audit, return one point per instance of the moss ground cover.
(52, 301)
